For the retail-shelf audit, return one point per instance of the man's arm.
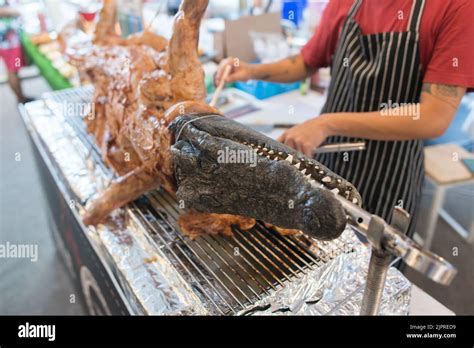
(290, 69)
(428, 119)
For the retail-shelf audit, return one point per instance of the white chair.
(444, 169)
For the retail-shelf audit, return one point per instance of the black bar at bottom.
(17, 330)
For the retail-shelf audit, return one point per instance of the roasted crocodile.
(155, 130)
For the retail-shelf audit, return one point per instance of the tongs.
(341, 147)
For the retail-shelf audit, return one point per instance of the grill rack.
(228, 273)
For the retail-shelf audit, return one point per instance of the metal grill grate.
(227, 273)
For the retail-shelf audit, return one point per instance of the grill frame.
(225, 282)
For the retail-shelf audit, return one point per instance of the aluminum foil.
(152, 284)
(155, 283)
(336, 288)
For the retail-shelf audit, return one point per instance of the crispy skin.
(194, 224)
(105, 28)
(282, 231)
(136, 80)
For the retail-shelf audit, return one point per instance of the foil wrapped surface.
(336, 288)
(153, 283)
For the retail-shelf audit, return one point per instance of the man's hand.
(287, 70)
(306, 137)
(240, 71)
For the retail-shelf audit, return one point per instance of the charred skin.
(267, 186)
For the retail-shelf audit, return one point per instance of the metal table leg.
(438, 199)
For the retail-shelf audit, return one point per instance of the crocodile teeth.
(304, 171)
(271, 152)
(308, 176)
(289, 158)
(326, 179)
(314, 184)
(354, 200)
(321, 172)
(297, 165)
(265, 149)
(269, 157)
(335, 191)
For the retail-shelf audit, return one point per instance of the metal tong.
(341, 147)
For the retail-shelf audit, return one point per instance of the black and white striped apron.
(367, 71)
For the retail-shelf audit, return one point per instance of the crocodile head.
(223, 167)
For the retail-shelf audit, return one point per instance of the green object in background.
(304, 87)
(210, 87)
(54, 78)
(209, 82)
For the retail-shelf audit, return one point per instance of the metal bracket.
(375, 233)
(397, 244)
(388, 241)
(380, 259)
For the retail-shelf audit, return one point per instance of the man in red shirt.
(399, 69)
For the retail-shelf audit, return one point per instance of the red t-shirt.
(446, 35)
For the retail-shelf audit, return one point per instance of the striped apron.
(368, 71)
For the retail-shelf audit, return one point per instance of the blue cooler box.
(263, 89)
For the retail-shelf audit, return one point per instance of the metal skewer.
(219, 88)
(388, 240)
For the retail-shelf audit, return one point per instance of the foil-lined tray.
(154, 284)
(336, 289)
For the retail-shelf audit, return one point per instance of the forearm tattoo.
(443, 92)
